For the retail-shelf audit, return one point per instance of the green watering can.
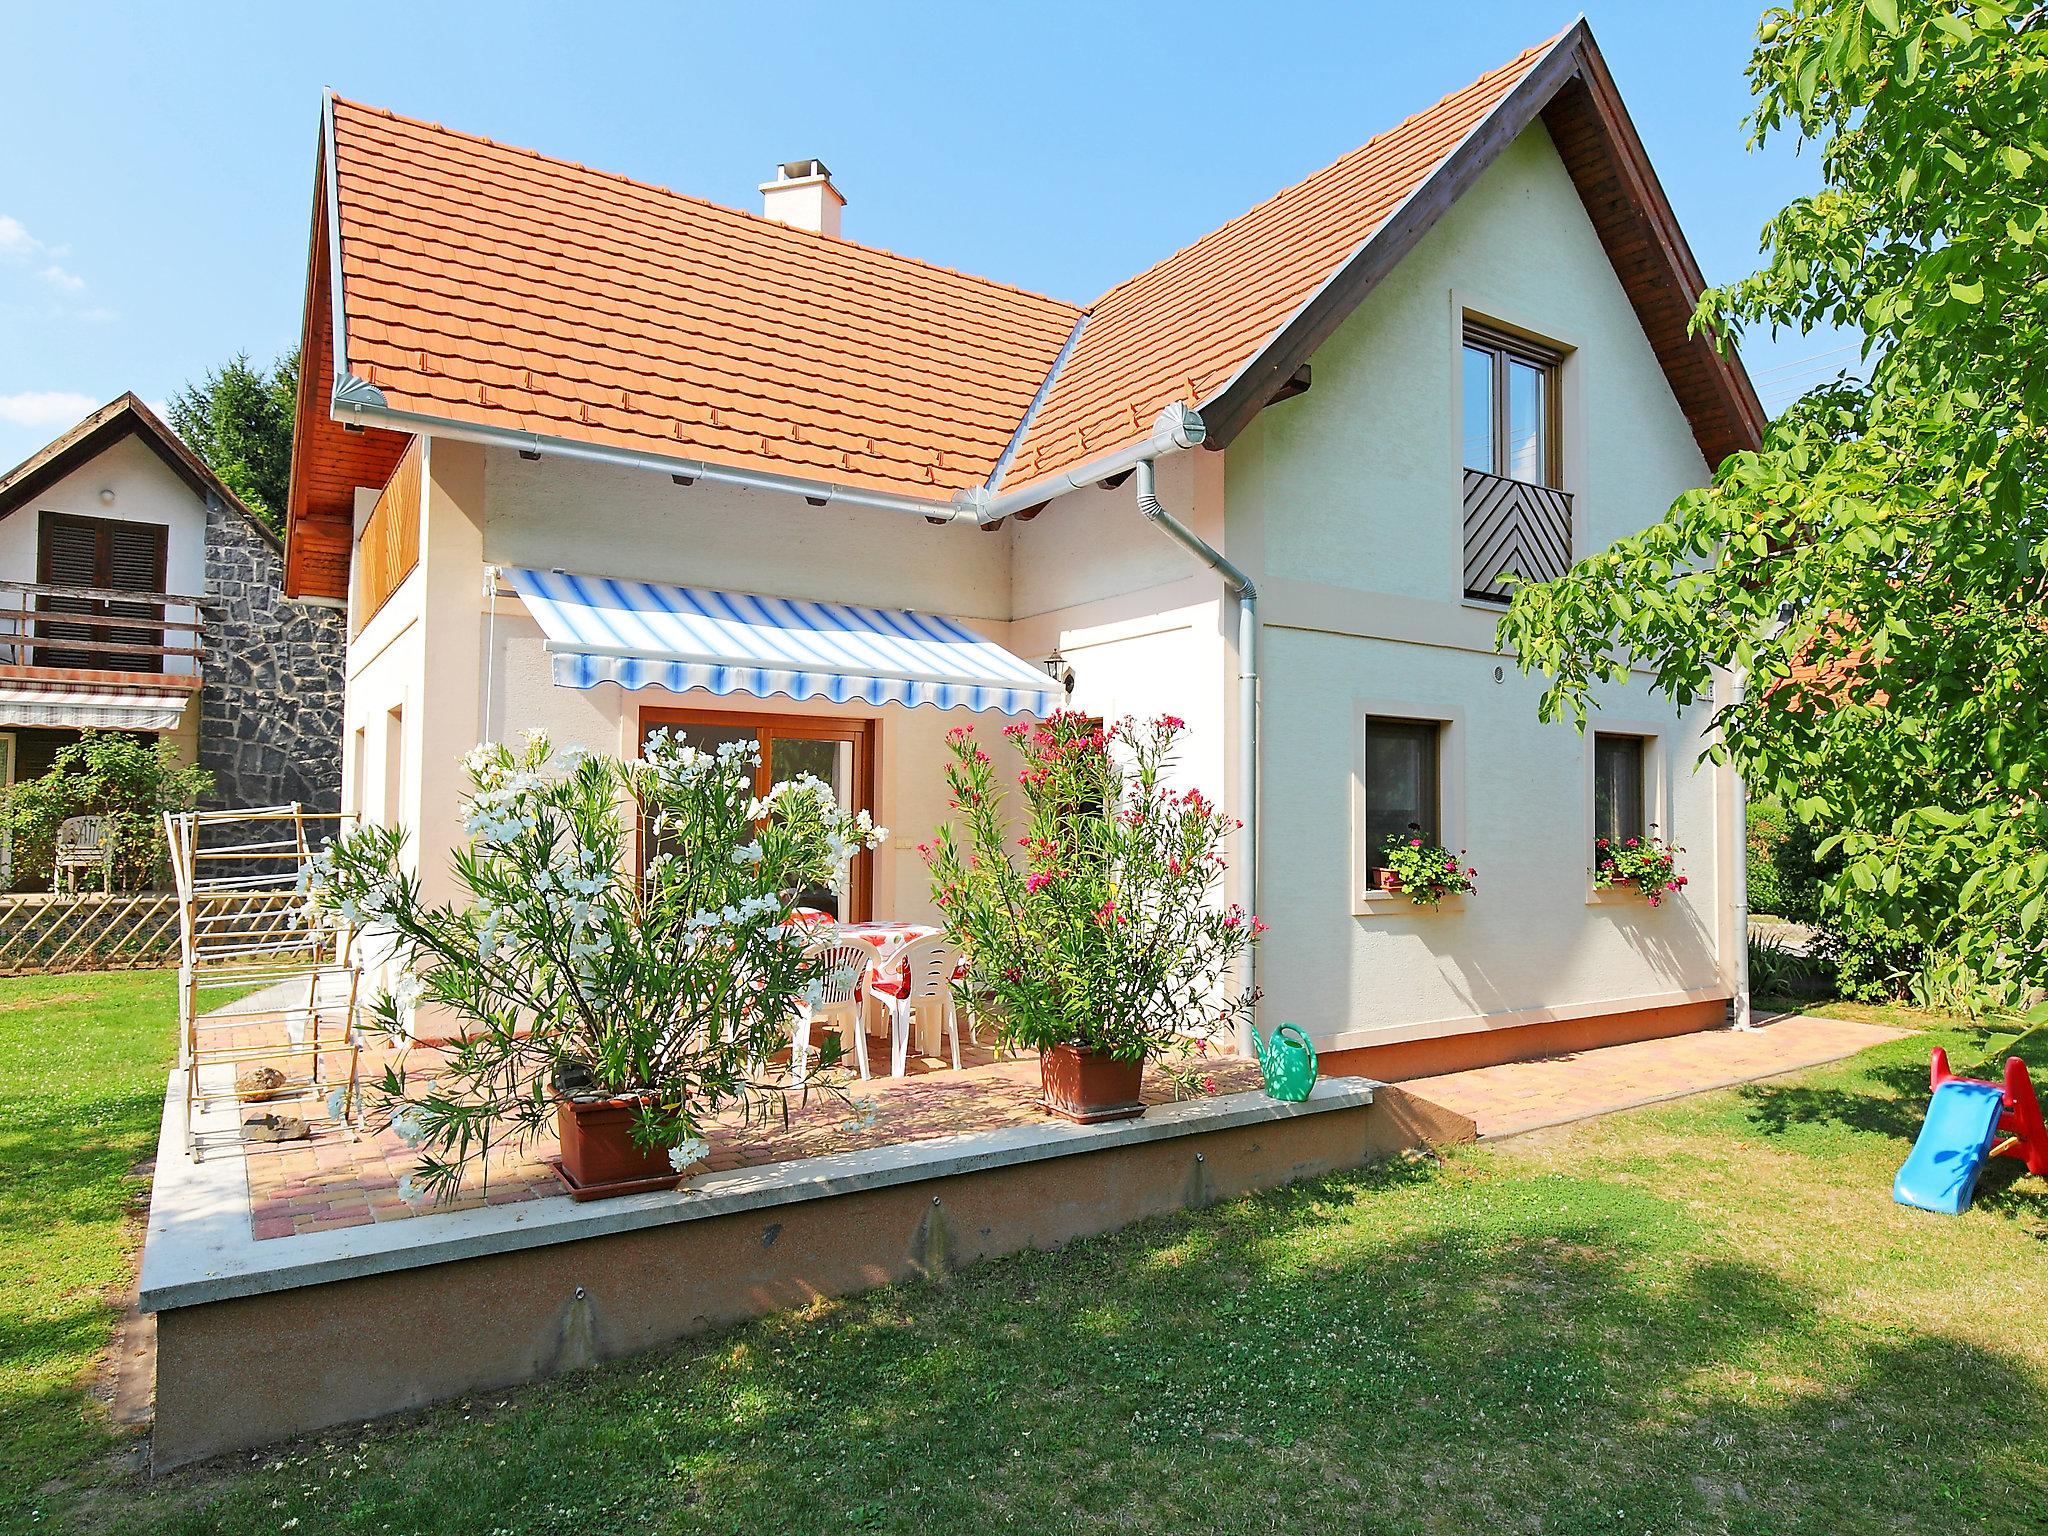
(1288, 1061)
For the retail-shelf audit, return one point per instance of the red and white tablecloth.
(888, 940)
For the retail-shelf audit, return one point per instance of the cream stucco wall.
(1347, 501)
(1344, 506)
(1141, 621)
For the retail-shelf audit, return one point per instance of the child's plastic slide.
(1955, 1140)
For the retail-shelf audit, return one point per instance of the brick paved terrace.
(1577, 1085)
(332, 1180)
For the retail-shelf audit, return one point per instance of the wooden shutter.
(111, 556)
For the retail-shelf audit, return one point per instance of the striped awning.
(643, 634)
(110, 709)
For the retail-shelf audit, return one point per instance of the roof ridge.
(1469, 86)
(704, 202)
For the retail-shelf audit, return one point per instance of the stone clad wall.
(270, 711)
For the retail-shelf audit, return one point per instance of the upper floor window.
(1510, 408)
(80, 563)
(1516, 519)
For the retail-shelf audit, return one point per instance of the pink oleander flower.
(1039, 881)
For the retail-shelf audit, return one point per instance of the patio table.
(888, 940)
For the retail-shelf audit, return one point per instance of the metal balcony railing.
(1513, 526)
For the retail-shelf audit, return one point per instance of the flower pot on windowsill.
(1386, 880)
(599, 1157)
(1088, 1086)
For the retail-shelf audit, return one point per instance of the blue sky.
(156, 181)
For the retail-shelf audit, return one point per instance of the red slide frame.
(2026, 1138)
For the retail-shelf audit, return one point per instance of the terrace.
(311, 1239)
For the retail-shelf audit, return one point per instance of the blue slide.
(1941, 1175)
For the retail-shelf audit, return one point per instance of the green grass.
(82, 1062)
(1705, 1316)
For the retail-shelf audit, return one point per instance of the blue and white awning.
(643, 634)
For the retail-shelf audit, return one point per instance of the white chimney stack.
(802, 194)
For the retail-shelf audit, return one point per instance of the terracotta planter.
(599, 1155)
(1086, 1087)
(1386, 880)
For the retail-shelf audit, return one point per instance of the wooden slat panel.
(1511, 525)
(329, 462)
(390, 545)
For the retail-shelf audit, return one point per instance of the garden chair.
(85, 842)
(842, 968)
(922, 972)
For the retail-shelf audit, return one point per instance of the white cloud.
(45, 407)
(17, 244)
(15, 240)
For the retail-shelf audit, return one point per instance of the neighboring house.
(138, 593)
(589, 455)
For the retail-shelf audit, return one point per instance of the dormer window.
(1516, 518)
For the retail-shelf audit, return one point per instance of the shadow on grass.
(1454, 1349)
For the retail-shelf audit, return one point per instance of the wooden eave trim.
(1231, 409)
(309, 353)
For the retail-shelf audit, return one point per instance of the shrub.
(1787, 878)
(577, 975)
(1098, 926)
(128, 779)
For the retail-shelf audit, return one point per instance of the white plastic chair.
(923, 970)
(841, 968)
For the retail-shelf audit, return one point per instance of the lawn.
(1705, 1316)
(82, 1061)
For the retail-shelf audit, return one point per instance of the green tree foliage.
(103, 773)
(239, 420)
(1880, 569)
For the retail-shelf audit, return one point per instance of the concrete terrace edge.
(198, 1248)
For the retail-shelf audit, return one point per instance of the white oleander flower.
(688, 1152)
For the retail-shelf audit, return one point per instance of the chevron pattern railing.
(1511, 525)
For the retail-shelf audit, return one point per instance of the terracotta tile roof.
(1183, 328)
(497, 286)
(494, 286)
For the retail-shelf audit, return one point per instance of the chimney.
(802, 195)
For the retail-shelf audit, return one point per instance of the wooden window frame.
(862, 732)
(1504, 347)
(103, 530)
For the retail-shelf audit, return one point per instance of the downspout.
(1742, 1015)
(1247, 595)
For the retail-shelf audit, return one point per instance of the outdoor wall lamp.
(1057, 669)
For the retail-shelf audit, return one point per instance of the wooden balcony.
(390, 545)
(100, 629)
(1514, 527)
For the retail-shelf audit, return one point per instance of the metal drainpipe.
(1247, 597)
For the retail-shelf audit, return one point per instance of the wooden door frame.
(862, 731)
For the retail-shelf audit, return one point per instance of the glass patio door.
(838, 752)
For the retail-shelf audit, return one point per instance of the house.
(138, 593)
(589, 455)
